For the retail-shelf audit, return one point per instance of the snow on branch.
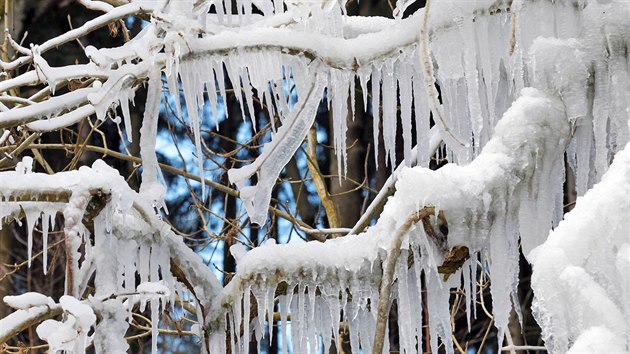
(580, 274)
(98, 202)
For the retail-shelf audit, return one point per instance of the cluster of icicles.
(322, 302)
(128, 259)
(481, 62)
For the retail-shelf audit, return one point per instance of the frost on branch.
(580, 274)
(316, 281)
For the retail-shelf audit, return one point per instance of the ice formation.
(317, 281)
(482, 58)
(124, 224)
(521, 82)
(580, 279)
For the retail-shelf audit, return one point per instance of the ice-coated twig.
(338, 230)
(90, 26)
(50, 107)
(277, 153)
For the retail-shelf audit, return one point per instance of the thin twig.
(318, 180)
(389, 268)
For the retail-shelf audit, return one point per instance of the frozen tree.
(504, 89)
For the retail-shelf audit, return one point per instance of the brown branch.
(318, 179)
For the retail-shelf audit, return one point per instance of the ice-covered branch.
(482, 214)
(90, 26)
(121, 222)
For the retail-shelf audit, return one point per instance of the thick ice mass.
(580, 276)
(481, 216)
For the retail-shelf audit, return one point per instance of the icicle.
(284, 302)
(390, 90)
(600, 116)
(301, 319)
(260, 298)
(376, 109)
(232, 332)
(143, 262)
(232, 66)
(220, 12)
(217, 65)
(338, 92)
(211, 89)
(488, 66)
(504, 275)
(124, 107)
(296, 322)
(364, 76)
(246, 311)
(228, 11)
(438, 310)
(269, 304)
(128, 256)
(249, 96)
(238, 318)
(473, 273)
(584, 134)
(45, 220)
(31, 219)
(353, 326)
(193, 89)
(326, 319)
(278, 7)
(466, 287)
(151, 188)
(155, 318)
(421, 112)
(405, 324)
(472, 78)
(406, 99)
